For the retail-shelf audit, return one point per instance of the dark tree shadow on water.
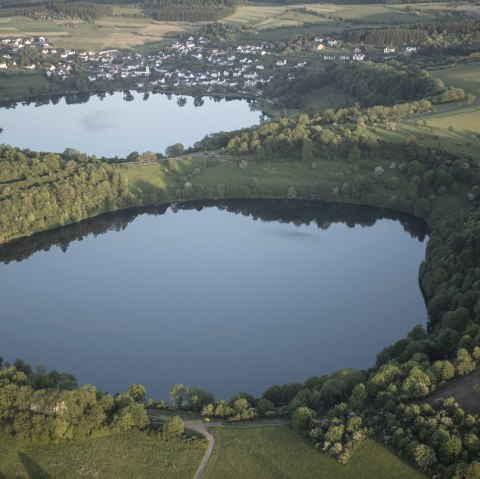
(34, 470)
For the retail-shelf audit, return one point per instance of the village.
(192, 62)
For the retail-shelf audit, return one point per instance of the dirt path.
(203, 428)
(465, 389)
(192, 423)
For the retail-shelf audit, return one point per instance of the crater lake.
(228, 296)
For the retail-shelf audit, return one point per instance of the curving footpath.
(201, 428)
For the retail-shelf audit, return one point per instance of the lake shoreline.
(141, 207)
(165, 267)
(113, 125)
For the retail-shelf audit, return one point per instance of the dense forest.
(193, 10)
(418, 34)
(38, 405)
(192, 13)
(351, 2)
(84, 10)
(392, 36)
(48, 406)
(372, 84)
(40, 191)
(168, 10)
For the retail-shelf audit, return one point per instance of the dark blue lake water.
(230, 296)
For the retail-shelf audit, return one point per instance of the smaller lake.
(229, 296)
(121, 122)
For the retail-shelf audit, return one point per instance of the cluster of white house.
(190, 62)
(321, 43)
(236, 67)
(10, 49)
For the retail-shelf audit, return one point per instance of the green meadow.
(126, 28)
(454, 127)
(280, 453)
(122, 455)
(466, 76)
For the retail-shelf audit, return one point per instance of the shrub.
(173, 430)
(301, 418)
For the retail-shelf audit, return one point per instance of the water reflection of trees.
(300, 212)
(128, 96)
(77, 98)
(198, 101)
(284, 211)
(181, 101)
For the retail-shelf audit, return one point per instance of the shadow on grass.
(34, 470)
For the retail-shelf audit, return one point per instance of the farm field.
(271, 23)
(461, 76)
(121, 455)
(378, 14)
(454, 127)
(279, 452)
(267, 17)
(108, 32)
(128, 27)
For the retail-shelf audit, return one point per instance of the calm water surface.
(111, 126)
(206, 296)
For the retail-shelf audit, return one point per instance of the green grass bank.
(122, 455)
(278, 452)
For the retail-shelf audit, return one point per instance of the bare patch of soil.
(466, 391)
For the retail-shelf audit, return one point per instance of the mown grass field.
(378, 14)
(272, 178)
(270, 17)
(147, 178)
(151, 178)
(466, 76)
(123, 455)
(280, 453)
(271, 22)
(454, 127)
(126, 28)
